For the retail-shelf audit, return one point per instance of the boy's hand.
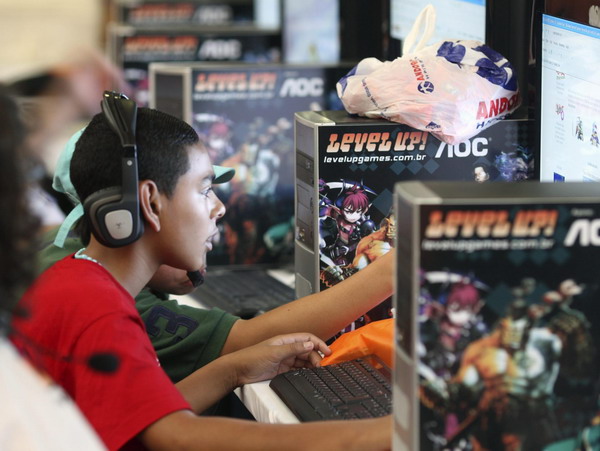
(277, 355)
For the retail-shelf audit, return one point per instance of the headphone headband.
(121, 114)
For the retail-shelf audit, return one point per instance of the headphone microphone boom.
(196, 278)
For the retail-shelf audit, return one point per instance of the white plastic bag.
(453, 89)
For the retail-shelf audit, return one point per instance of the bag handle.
(428, 16)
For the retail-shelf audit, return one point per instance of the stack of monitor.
(569, 100)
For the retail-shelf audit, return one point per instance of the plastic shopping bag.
(374, 338)
(453, 89)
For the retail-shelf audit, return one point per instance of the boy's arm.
(322, 314)
(183, 430)
(255, 363)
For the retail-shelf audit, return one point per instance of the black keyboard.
(349, 390)
(245, 293)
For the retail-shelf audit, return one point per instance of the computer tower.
(497, 315)
(244, 114)
(134, 48)
(337, 153)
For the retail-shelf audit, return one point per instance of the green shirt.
(185, 338)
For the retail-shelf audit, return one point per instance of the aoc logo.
(302, 87)
(214, 14)
(478, 147)
(584, 232)
(220, 49)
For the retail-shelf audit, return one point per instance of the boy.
(187, 338)
(84, 304)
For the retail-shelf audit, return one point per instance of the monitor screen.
(310, 31)
(455, 19)
(569, 101)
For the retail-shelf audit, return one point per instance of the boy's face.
(189, 222)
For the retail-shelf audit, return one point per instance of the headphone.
(114, 213)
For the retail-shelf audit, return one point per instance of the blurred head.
(17, 225)
(480, 173)
(514, 328)
(463, 304)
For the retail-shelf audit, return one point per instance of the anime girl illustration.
(343, 221)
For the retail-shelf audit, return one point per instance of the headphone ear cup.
(111, 220)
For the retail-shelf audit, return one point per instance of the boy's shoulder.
(49, 253)
(75, 284)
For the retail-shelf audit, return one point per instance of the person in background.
(52, 102)
(35, 414)
(84, 303)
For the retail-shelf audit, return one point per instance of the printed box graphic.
(134, 48)
(497, 316)
(346, 168)
(244, 114)
(195, 12)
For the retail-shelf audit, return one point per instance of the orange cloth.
(374, 338)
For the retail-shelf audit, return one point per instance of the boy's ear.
(150, 204)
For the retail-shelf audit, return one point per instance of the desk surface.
(264, 404)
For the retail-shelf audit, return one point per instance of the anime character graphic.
(343, 221)
(560, 111)
(594, 137)
(514, 166)
(579, 129)
(481, 172)
(376, 244)
(216, 133)
(571, 326)
(369, 249)
(502, 392)
(452, 321)
(261, 161)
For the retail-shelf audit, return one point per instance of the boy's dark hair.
(162, 141)
(18, 227)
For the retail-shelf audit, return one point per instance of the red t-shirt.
(76, 309)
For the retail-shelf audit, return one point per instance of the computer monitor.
(311, 31)
(451, 20)
(568, 100)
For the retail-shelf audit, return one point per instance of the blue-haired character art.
(594, 136)
(514, 166)
(343, 221)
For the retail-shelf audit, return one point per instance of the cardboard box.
(497, 315)
(134, 48)
(336, 153)
(244, 113)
